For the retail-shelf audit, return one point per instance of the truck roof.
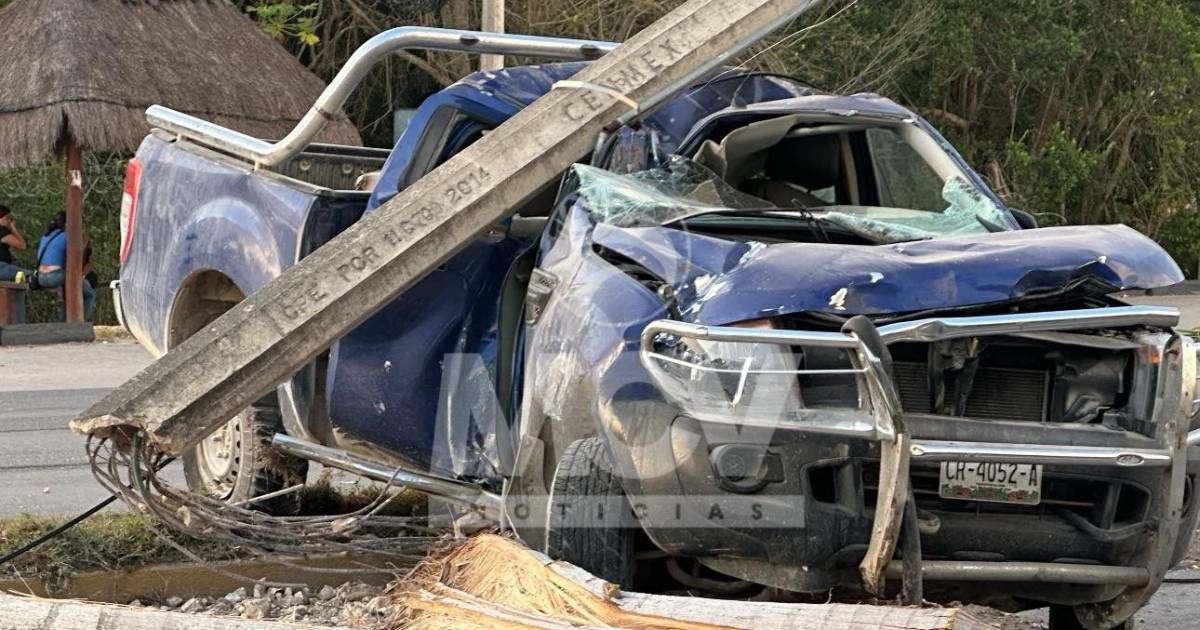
(495, 96)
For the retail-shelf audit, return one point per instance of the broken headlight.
(736, 379)
(750, 379)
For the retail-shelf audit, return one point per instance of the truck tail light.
(133, 175)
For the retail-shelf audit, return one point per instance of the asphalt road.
(43, 467)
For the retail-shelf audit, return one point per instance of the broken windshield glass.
(968, 212)
(685, 188)
(661, 195)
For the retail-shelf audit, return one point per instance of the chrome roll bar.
(376, 49)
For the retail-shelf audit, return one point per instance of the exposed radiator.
(997, 393)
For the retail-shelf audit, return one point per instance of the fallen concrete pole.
(213, 375)
(493, 582)
(32, 613)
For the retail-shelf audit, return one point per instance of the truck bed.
(203, 212)
(332, 166)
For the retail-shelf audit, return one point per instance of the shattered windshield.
(906, 201)
(660, 195)
(967, 211)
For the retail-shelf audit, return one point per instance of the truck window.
(902, 177)
(448, 131)
(468, 134)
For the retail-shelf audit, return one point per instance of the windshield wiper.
(990, 226)
(815, 223)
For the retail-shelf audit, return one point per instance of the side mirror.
(1024, 219)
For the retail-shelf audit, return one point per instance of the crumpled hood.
(719, 281)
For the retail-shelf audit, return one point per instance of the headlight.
(741, 380)
(727, 378)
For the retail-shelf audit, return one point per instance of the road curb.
(41, 334)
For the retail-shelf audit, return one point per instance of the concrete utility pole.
(221, 370)
(493, 22)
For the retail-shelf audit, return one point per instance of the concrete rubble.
(353, 605)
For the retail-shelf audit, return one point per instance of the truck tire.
(590, 524)
(236, 462)
(1063, 618)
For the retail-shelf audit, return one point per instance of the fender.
(196, 214)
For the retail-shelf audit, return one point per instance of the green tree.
(286, 21)
(1081, 111)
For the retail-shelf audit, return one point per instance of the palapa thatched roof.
(90, 68)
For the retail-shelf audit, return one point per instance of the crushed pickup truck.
(759, 340)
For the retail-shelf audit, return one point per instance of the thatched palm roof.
(89, 68)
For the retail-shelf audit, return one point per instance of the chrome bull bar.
(881, 400)
(880, 418)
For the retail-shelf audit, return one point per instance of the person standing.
(10, 239)
(52, 264)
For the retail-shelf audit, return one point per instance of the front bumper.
(1119, 568)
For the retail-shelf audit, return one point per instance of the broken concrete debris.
(350, 604)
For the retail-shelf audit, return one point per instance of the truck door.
(416, 379)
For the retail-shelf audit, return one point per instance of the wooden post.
(73, 291)
(493, 22)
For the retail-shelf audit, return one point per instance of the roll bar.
(263, 153)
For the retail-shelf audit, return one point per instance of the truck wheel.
(236, 462)
(590, 524)
(1063, 618)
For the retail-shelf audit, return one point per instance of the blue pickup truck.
(691, 361)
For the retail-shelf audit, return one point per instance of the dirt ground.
(1003, 620)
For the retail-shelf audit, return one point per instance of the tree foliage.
(1080, 111)
(284, 20)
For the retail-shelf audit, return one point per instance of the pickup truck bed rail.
(263, 153)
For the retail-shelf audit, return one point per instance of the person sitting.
(10, 239)
(52, 263)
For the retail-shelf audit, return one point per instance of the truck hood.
(720, 281)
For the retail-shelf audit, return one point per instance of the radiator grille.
(998, 393)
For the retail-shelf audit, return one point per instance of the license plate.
(991, 481)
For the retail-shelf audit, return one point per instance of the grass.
(116, 541)
(108, 334)
(321, 497)
(108, 542)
